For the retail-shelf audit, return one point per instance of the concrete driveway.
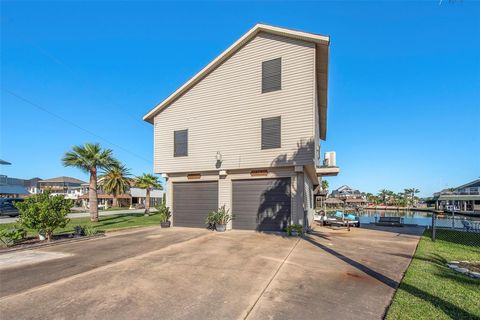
(182, 273)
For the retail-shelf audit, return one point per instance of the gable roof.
(63, 179)
(321, 46)
(474, 183)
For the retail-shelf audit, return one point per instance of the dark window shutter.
(180, 143)
(271, 133)
(271, 75)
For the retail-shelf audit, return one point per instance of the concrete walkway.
(182, 273)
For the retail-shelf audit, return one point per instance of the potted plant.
(294, 230)
(41, 235)
(165, 215)
(219, 219)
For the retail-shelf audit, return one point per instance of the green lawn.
(431, 290)
(106, 223)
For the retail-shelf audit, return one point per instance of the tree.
(325, 185)
(89, 158)
(385, 195)
(414, 191)
(411, 194)
(148, 182)
(403, 198)
(371, 198)
(44, 212)
(116, 181)
(400, 199)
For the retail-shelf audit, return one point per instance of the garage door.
(262, 205)
(192, 201)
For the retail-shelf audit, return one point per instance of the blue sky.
(404, 95)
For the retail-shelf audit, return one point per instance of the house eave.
(327, 171)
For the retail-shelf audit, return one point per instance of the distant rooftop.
(469, 189)
(63, 179)
(9, 189)
(472, 184)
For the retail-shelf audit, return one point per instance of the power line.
(86, 84)
(73, 124)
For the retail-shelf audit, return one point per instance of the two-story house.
(463, 198)
(245, 132)
(69, 187)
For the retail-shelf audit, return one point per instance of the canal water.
(420, 218)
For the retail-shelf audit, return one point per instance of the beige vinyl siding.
(225, 195)
(308, 199)
(316, 120)
(223, 111)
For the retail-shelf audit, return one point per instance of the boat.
(340, 218)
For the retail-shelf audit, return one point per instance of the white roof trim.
(228, 52)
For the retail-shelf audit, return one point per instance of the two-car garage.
(256, 204)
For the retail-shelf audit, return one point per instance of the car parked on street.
(7, 207)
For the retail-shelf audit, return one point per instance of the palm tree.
(400, 199)
(412, 192)
(404, 196)
(387, 196)
(148, 182)
(116, 181)
(89, 158)
(383, 195)
(324, 185)
(371, 198)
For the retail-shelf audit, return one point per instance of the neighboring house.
(245, 132)
(69, 187)
(464, 198)
(138, 196)
(13, 191)
(346, 196)
(346, 193)
(33, 185)
(15, 187)
(133, 197)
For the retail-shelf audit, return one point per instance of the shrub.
(211, 220)
(89, 230)
(164, 212)
(294, 228)
(86, 230)
(78, 230)
(220, 216)
(11, 236)
(44, 213)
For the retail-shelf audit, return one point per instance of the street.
(6, 219)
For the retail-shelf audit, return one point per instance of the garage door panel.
(192, 201)
(263, 204)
